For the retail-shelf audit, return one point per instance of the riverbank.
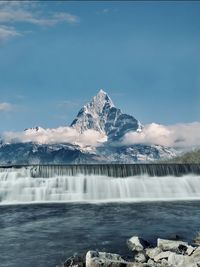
(166, 253)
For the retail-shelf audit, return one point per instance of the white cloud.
(26, 16)
(16, 3)
(7, 33)
(5, 106)
(57, 135)
(179, 135)
(65, 17)
(29, 13)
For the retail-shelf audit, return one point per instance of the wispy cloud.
(16, 2)
(8, 32)
(11, 15)
(15, 12)
(65, 17)
(4, 106)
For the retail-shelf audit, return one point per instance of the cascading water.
(18, 185)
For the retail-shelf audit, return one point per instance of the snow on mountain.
(94, 137)
(134, 153)
(101, 115)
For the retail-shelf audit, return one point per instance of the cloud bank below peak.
(54, 136)
(182, 135)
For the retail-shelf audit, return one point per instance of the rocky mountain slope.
(99, 115)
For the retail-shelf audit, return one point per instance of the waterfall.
(62, 184)
(111, 170)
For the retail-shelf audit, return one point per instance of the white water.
(17, 186)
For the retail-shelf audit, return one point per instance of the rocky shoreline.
(167, 253)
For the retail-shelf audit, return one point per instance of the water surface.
(43, 235)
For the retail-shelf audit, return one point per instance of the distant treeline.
(189, 157)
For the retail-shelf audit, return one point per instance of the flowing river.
(47, 213)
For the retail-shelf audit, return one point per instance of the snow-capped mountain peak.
(96, 106)
(100, 100)
(65, 145)
(101, 115)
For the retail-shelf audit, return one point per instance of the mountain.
(99, 115)
(32, 153)
(188, 157)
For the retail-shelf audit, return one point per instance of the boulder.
(136, 264)
(150, 262)
(138, 244)
(170, 245)
(140, 257)
(182, 261)
(182, 249)
(190, 250)
(162, 255)
(164, 262)
(99, 259)
(195, 257)
(153, 252)
(74, 261)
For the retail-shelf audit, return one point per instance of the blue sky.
(54, 56)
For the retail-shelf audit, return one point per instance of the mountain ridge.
(99, 115)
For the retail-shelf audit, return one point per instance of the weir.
(110, 170)
(56, 183)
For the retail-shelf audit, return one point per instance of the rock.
(153, 252)
(136, 264)
(164, 262)
(150, 262)
(190, 250)
(182, 249)
(181, 261)
(170, 245)
(75, 261)
(137, 244)
(99, 259)
(196, 256)
(140, 257)
(162, 255)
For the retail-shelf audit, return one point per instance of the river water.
(43, 235)
(48, 213)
